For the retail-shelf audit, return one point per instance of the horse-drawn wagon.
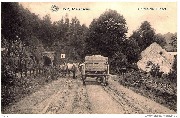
(96, 66)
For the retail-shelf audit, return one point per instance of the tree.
(11, 21)
(159, 39)
(144, 36)
(132, 51)
(173, 74)
(175, 63)
(20, 29)
(46, 28)
(76, 39)
(174, 42)
(69, 35)
(106, 34)
(118, 61)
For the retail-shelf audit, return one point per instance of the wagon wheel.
(83, 79)
(105, 82)
(99, 79)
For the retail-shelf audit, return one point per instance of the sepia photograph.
(89, 58)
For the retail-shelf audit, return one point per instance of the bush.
(172, 76)
(117, 62)
(134, 79)
(155, 71)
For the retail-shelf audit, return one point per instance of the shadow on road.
(92, 83)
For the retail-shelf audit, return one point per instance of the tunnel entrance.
(48, 58)
(47, 61)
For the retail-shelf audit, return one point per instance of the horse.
(63, 69)
(72, 67)
(80, 67)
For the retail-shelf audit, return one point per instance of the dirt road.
(69, 96)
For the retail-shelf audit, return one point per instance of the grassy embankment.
(162, 90)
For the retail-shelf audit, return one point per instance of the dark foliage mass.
(106, 34)
(24, 38)
(25, 35)
(145, 36)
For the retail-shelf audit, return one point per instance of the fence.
(28, 67)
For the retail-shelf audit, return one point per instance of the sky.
(163, 18)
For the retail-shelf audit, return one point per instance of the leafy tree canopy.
(144, 36)
(106, 34)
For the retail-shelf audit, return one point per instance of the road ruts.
(130, 104)
(27, 104)
(71, 99)
(127, 107)
(133, 102)
(70, 96)
(61, 102)
(101, 101)
(81, 104)
(116, 99)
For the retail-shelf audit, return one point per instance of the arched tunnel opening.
(47, 61)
